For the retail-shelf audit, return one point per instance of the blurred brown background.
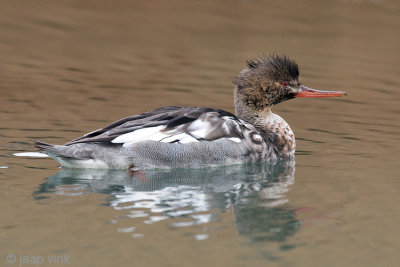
(69, 67)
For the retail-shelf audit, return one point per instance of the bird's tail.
(42, 145)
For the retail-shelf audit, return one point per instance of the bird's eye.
(285, 84)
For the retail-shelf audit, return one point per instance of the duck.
(190, 137)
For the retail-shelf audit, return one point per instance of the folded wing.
(170, 125)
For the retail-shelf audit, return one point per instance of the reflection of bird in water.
(193, 137)
(186, 197)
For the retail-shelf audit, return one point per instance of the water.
(71, 67)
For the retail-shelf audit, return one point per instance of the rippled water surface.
(69, 67)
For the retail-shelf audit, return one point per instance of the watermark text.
(22, 260)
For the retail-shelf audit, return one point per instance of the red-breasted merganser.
(195, 136)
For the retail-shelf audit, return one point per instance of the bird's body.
(196, 137)
(176, 137)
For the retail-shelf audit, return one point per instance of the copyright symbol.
(11, 258)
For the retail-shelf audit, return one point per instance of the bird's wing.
(171, 125)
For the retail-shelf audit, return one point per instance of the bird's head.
(270, 80)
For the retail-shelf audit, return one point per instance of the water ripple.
(184, 198)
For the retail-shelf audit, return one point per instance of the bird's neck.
(243, 111)
(276, 131)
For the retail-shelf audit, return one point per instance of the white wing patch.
(154, 134)
(201, 129)
(150, 133)
(235, 139)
